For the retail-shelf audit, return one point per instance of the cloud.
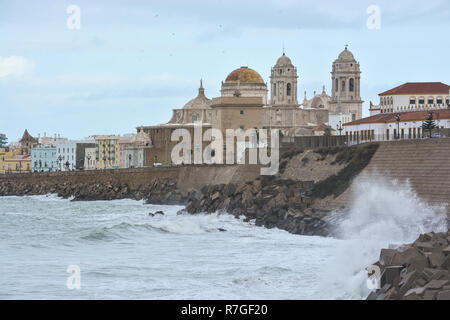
(15, 66)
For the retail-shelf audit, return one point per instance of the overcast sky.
(132, 62)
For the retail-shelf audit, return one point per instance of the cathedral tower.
(283, 83)
(346, 80)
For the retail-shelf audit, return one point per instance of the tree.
(327, 131)
(3, 140)
(429, 124)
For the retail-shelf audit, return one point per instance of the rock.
(430, 294)
(412, 257)
(436, 284)
(436, 259)
(215, 196)
(159, 212)
(443, 295)
(387, 256)
(418, 291)
(221, 229)
(390, 274)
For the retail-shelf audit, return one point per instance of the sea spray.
(384, 213)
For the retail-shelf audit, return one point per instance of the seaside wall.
(186, 177)
(424, 163)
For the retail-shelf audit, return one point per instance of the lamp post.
(397, 118)
(129, 161)
(438, 122)
(60, 162)
(104, 162)
(339, 127)
(89, 161)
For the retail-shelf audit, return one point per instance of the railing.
(394, 136)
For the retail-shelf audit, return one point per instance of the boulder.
(443, 295)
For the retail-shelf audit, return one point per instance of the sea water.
(119, 251)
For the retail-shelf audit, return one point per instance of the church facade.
(244, 104)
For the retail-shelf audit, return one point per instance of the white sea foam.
(383, 214)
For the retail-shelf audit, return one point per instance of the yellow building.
(106, 151)
(14, 162)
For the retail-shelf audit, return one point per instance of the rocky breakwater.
(285, 204)
(291, 199)
(418, 271)
(157, 191)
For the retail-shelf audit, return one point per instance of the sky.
(132, 61)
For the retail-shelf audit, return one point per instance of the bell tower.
(346, 84)
(283, 83)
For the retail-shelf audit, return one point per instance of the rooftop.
(418, 88)
(404, 116)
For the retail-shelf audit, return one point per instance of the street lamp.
(89, 161)
(397, 118)
(129, 161)
(104, 162)
(438, 122)
(339, 128)
(60, 163)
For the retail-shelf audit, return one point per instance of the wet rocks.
(271, 202)
(157, 191)
(417, 271)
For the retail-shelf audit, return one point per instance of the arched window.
(194, 117)
(288, 89)
(352, 85)
(274, 89)
(343, 86)
(336, 85)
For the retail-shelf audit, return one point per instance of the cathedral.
(244, 104)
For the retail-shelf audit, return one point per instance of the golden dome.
(244, 75)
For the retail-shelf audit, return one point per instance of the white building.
(413, 96)
(66, 156)
(89, 158)
(385, 126)
(337, 119)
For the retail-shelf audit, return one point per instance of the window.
(412, 101)
(288, 90)
(352, 85)
(421, 100)
(430, 100)
(242, 112)
(447, 101)
(336, 85)
(439, 101)
(343, 86)
(274, 89)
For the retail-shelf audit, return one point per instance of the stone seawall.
(424, 163)
(170, 184)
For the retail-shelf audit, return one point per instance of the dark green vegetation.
(429, 124)
(3, 140)
(357, 157)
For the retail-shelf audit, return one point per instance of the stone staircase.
(425, 163)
